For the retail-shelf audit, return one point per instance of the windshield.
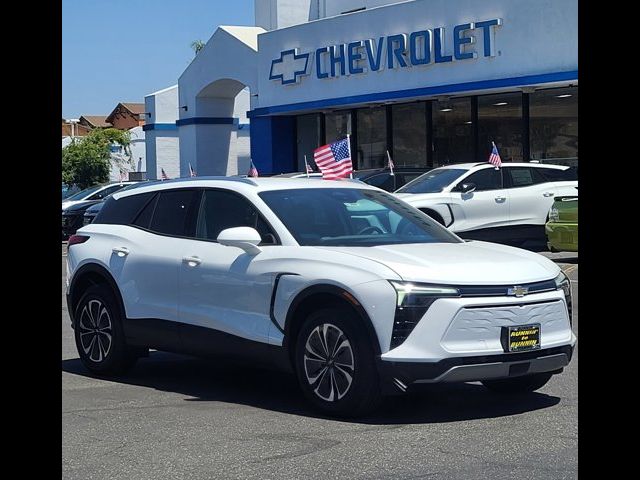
(84, 193)
(349, 217)
(433, 181)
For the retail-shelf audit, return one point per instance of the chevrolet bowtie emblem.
(518, 291)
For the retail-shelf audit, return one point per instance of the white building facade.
(433, 82)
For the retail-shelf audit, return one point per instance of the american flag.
(494, 158)
(164, 175)
(192, 172)
(334, 160)
(253, 171)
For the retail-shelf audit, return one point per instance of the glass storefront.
(500, 121)
(452, 132)
(309, 129)
(541, 126)
(409, 134)
(371, 138)
(553, 125)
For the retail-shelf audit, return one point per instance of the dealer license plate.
(523, 338)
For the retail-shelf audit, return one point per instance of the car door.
(486, 207)
(222, 288)
(530, 195)
(145, 262)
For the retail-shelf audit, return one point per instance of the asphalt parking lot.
(181, 417)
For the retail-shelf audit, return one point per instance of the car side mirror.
(246, 238)
(467, 187)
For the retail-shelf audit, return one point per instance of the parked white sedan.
(480, 201)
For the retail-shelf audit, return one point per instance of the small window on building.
(500, 121)
(452, 132)
(372, 138)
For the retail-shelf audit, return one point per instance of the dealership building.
(433, 82)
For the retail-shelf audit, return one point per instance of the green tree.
(197, 45)
(86, 161)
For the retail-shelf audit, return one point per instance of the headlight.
(412, 302)
(563, 282)
(554, 216)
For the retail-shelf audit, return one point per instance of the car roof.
(246, 185)
(469, 166)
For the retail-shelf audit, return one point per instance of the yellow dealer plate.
(524, 338)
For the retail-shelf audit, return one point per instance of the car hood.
(467, 263)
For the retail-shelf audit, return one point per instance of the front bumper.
(398, 377)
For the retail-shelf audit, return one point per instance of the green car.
(562, 227)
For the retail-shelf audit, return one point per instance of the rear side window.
(524, 176)
(557, 175)
(124, 210)
(175, 212)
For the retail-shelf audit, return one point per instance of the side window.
(557, 175)
(144, 218)
(486, 179)
(221, 210)
(123, 211)
(175, 212)
(523, 177)
(382, 180)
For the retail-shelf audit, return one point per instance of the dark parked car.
(91, 213)
(378, 177)
(382, 178)
(73, 215)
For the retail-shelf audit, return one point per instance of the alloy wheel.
(328, 362)
(95, 330)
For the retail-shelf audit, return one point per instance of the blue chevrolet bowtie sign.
(289, 67)
(422, 47)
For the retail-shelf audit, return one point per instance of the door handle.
(547, 194)
(500, 199)
(120, 251)
(192, 261)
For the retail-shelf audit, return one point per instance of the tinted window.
(383, 181)
(433, 181)
(82, 194)
(124, 210)
(221, 210)
(486, 179)
(175, 213)
(352, 217)
(144, 218)
(557, 175)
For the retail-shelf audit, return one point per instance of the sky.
(121, 50)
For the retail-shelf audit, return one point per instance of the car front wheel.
(335, 364)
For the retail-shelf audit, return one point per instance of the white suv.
(479, 201)
(355, 291)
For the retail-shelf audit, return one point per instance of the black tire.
(362, 395)
(98, 333)
(524, 384)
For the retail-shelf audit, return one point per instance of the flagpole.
(306, 166)
(349, 145)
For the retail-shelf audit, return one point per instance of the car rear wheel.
(335, 364)
(524, 384)
(99, 335)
